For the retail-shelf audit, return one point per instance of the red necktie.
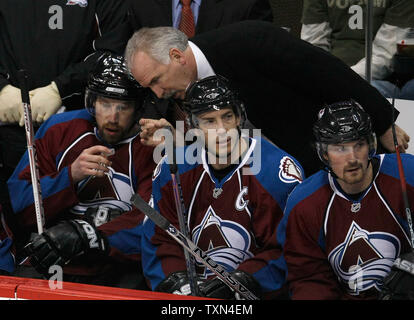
(187, 19)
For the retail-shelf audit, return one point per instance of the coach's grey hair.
(156, 42)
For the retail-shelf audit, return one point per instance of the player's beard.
(113, 134)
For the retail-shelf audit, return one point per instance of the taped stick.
(31, 150)
(191, 247)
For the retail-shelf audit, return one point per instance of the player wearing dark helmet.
(90, 163)
(233, 204)
(344, 227)
(213, 102)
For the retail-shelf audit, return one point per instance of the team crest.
(80, 3)
(225, 241)
(364, 258)
(289, 171)
(113, 190)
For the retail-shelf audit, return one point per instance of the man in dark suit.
(208, 14)
(283, 80)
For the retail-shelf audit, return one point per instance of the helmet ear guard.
(212, 94)
(341, 122)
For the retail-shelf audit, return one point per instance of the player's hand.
(44, 101)
(399, 283)
(216, 288)
(387, 139)
(11, 108)
(177, 283)
(59, 244)
(149, 128)
(91, 162)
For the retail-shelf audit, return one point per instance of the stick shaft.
(368, 40)
(31, 150)
(182, 217)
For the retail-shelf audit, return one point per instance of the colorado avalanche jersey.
(339, 248)
(59, 141)
(233, 220)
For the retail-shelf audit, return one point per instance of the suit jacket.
(285, 81)
(213, 13)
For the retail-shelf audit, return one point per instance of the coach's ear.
(177, 55)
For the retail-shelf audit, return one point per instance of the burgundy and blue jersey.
(59, 141)
(336, 247)
(233, 220)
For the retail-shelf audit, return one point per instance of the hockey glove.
(176, 283)
(101, 215)
(215, 288)
(45, 101)
(11, 108)
(399, 283)
(59, 244)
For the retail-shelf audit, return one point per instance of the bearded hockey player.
(90, 163)
(232, 211)
(345, 226)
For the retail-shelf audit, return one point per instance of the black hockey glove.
(59, 244)
(215, 288)
(176, 283)
(399, 283)
(101, 215)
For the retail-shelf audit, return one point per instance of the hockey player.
(343, 227)
(232, 211)
(90, 163)
(57, 42)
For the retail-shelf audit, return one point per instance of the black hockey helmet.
(340, 122)
(212, 94)
(111, 78)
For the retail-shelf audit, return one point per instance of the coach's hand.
(149, 127)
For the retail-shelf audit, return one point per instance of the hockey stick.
(402, 176)
(368, 40)
(191, 247)
(31, 150)
(182, 218)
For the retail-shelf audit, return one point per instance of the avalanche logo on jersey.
(225, 241)
(113, 190)
(81, 3)
(289, 172)
(363, 260)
